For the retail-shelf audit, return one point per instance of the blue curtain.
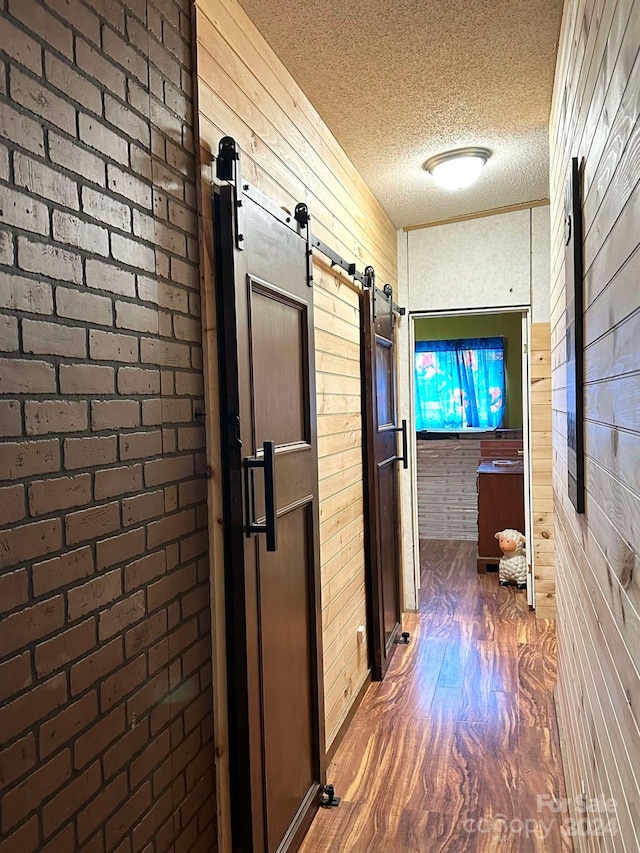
(459, 383)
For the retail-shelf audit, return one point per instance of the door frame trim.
(525, 311)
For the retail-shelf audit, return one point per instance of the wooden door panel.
(388, 526)
(279, 359)
(288, 702)
(382, 494)
(385, 398)
(268, 413)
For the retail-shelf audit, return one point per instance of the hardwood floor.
(451, 751)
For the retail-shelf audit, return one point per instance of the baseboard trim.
(347, 721)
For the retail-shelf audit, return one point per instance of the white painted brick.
(164, 324)
(49, 260)
(166, 64)
(76, 159)
(10, 421)
(19, 376)
(182, 217)
(108, 346)
(98, 67)
(4, 162)
(24, 294)
(168, 180)
(141, 163)
(170, 239)
(20, 47)
(111, 11)
(126, 120)
(124, 55)
(185, 273)
(37, 19)
(187, 329)
(8, 333)
(138, 97)
(103, 276)
(162, 264)
(53, 339)
(69, 229)
(164, 353)
(42, 101)
(136, 317)
(144, 226)
(132, 253)
(78, 16)
(101, 206)
(21, 129)
(75, 86)
(43, 181)
(84, 306)
(158, 144)
(24, 212)
(162, 294)
(96, 135)
(6, 248)
(125, 184)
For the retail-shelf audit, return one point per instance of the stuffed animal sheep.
(513, 563)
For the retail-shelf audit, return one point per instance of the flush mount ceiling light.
(455, 170)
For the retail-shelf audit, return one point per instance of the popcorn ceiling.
(400, 80)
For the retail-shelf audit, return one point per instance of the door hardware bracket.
(303, 218)
(228, 169)
(405, 639)
(328, 797)
(388, 292)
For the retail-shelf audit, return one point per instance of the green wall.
(509, 326)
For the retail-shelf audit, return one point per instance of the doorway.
(445, 464)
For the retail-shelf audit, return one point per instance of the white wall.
(494, 261)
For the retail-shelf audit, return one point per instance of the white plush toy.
(513, 563)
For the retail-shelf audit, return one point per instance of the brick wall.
(105, 697)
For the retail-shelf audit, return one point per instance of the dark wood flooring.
(450, 753)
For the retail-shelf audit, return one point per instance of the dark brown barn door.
(383, 436)
(271, 523)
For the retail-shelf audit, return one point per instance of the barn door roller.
(228, 169)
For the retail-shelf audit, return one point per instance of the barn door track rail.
(228, 169)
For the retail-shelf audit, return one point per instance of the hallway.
(462, 729)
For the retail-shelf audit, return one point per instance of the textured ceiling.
(400, 80)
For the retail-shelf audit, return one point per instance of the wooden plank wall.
(288, 153)
(447, 491)
(541, 462)
(595, 116)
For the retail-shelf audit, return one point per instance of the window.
(460, 384)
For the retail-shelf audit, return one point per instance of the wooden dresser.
(500, 505)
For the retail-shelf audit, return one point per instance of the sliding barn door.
(383, 435)
(271, 522)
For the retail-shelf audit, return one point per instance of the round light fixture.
(455, 170)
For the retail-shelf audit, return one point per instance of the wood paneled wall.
(288, 153)
(595, 117)
(447, 490)
(541, 463)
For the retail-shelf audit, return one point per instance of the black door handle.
(268, 464)
(405, 444)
